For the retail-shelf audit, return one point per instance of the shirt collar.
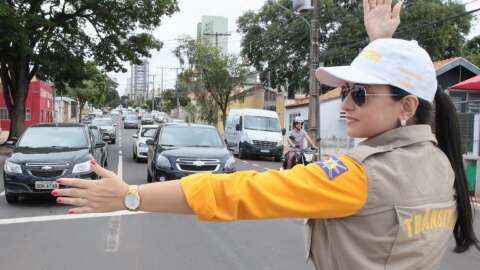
(402, 136)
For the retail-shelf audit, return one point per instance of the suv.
(178, 150)
(44, 153)
(107, 128)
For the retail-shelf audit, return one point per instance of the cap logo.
(411, 74)
(372, 55)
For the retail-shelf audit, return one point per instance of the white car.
(140, 147)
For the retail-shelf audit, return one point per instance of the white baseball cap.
(396, 62)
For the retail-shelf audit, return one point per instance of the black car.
(178, 150)
(101, 153)
(44, 153)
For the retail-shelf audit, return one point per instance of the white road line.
(113, 237)
(255, 165)
(7, 221)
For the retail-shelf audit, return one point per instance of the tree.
(277, 41)
(210, 71)
(471, 50)
(51, 39)
(168, 100)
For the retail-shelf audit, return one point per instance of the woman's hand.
(93, 196)
(380, 19)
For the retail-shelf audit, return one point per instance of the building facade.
(139, 81)
(214, 31)
(38, 106)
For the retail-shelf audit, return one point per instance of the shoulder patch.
(332, 167)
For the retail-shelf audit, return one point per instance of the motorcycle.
(302, 156)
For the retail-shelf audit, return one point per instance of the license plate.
(265, 151)
(46, 185)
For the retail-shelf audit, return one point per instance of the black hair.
(447, 131)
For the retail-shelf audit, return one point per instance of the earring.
(403, 122)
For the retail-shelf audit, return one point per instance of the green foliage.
(277, 41)
(169, 101)
(210, 73)
(471, 50)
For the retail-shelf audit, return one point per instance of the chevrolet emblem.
(198, 163)
(46, 168)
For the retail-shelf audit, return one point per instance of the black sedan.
(178, 150)
(44, 153)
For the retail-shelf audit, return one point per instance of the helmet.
(297, 119)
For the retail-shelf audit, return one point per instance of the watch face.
(132, 202)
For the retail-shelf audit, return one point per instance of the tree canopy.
(276, 41)
(54, 40)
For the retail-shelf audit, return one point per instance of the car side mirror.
(100, 144)
(150, 142)
(11, 142)
(238, 127)
(135, 136)
(284, 131)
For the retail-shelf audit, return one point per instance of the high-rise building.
(214, 31)
(139, 81)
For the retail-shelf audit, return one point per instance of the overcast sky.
(185, 22)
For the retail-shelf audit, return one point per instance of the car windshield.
(262, 123)
(102, 122)
(131, 117)
(190, 137)
(41, 137)
(148, 132)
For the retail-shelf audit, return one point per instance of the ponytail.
(447, 131)
(448, 137)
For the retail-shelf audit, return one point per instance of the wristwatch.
(132, 199)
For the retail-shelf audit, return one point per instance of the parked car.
(140, 147)
(147, 119)
(254, 132)
(44, 153)
(178, 150)
(131, 121)
(101, 153)
(162, 117)
(107, 128)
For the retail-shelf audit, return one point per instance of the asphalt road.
(38, 234)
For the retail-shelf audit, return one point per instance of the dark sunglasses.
(358, 93)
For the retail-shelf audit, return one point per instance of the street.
(38, 234)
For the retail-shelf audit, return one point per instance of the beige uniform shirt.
(409, 214)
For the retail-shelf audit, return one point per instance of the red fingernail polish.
(59, 200)
(93, 162)
(60, 181)
(71, 212)
(54, 193)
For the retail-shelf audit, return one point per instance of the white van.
(254, 132)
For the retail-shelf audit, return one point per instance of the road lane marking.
(7, 221)
(255, 165)
(113, 237)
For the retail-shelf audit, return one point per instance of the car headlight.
(229, 164)
(11, 167)
(142, 145)
(82, 167)
(162, 162)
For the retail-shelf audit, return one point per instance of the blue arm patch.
(332, 167)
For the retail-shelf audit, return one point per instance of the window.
(28, 115)
(270, 100)
(343, 115)
(4, 114)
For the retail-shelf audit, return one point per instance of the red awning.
(472, 84)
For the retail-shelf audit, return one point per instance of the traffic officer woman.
(390, 203)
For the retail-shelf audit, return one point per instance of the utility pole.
(314, 105)
(177, 96)
(216, 34)
(153, 91)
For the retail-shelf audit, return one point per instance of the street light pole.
(314, 105)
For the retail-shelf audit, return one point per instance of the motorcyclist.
(296, 139)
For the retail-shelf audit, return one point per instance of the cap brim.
(338, 76)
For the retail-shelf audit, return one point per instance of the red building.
(39, 105)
